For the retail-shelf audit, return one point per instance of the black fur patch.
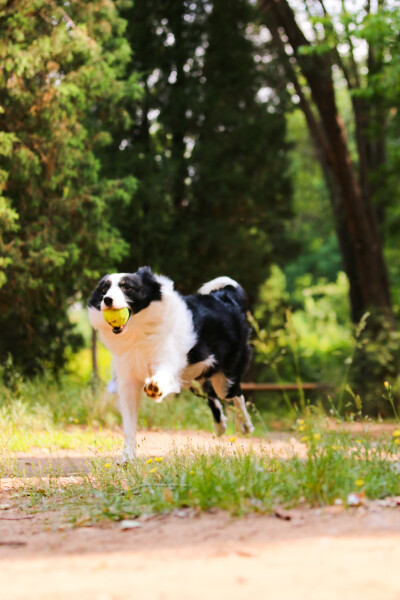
(98, 294)
(223, 332)
(140, 289)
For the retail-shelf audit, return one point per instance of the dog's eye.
(103, 289)
(126, 286)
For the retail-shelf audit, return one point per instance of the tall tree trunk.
(321, 146)
(362, 242)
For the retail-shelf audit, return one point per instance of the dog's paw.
(152, 389)
(127, 457)
(220, 427)
(244, 427)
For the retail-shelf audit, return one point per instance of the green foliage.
(294, 344)
(308, 336)
(312, 225)
(55, 404)
(383, 88)
(59, 80)
(375, 361)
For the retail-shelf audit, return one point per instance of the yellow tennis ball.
(116, 317)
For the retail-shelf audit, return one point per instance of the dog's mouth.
(121, 328)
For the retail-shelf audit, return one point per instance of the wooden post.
(284, 387)
(95, 374)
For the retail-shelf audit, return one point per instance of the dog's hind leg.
(243, 422)
(217, 410)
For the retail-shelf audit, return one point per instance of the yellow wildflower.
(158, 459)
(232, 439)
(304, 438)
(359, 482)
(396, 433)
(317, 436)
(153, 470)
(387, 385)
(107, 465)
(149, 461)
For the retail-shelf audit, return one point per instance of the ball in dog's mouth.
(119, 329)
(117, 318)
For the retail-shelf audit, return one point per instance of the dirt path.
(158, 443)
(317, 554)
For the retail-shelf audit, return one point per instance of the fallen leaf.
(354, 499)
(389, 502)
(280, 514)
(129, 524)
(168, 495)
(244, 553)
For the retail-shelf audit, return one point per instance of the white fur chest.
(161, 335)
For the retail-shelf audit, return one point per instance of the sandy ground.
(322, 554)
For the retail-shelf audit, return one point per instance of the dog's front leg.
(129, 399)
(161, 383)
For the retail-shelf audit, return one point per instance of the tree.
(310, 63)
(241, 190)
(60, 79)
(383, 91)
(355, 162)
(209, 155)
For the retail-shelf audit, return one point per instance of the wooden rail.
(283, 387)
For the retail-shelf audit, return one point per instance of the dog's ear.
(147, 288)
(99, 291)
(145, 273)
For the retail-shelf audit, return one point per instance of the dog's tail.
(227, 289)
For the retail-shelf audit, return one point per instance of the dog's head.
(134, 291)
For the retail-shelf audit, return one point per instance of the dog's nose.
(108, 301)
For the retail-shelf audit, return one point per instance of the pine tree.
(59, 83)
(213, 196)
(241, 191)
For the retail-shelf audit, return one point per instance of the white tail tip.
(217, 284)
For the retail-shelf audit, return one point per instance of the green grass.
(69, 414)
(231, 479)
(43, 411)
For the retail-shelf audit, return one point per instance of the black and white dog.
(171, 340)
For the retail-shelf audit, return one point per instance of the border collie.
(170, 340)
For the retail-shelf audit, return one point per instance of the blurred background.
(254, 139)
